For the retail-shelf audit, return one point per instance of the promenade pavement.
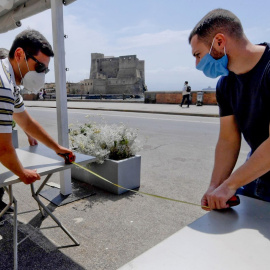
(128, 106)
(112, 229)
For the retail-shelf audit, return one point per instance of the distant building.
(72, 88)
(115, 75)
(209, 88)
(108, 75)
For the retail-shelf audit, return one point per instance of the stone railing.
(175, 97)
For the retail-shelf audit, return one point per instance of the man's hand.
(204, 200)
(29, 176)
(32, 141)
(217, 198)
(62, 151)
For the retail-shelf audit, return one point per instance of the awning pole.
(60, 83)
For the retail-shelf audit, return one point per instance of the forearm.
(9, 159)
(257, 165)
(226, 155)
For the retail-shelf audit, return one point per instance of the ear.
(19, 54)
(220, 41)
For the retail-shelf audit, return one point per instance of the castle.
(115, 75)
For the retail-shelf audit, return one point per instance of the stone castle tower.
(115, 75)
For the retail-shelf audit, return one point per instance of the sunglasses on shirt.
(39, 67)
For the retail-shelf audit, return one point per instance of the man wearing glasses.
(26, 65)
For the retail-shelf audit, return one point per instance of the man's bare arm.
(9, 159)
(226, 154)
(257, 165)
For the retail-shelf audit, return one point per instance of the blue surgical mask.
(213, 68)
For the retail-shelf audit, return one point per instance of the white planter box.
(126, 173)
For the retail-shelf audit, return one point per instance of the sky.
(155, 30)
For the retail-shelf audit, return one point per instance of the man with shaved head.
(221, 48)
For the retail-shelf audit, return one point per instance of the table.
(237, 238)
(46, 162)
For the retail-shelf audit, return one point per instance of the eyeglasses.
(39, 67)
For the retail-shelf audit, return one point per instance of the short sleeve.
(6, 110)
(266, 81)
(18, 104)
(223, 101)
(9, 103)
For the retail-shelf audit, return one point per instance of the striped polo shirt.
(10, 99)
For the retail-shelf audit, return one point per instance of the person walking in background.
(44, 94)
(185, 94)
(40, 96)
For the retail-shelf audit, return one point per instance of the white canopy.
(11, 14)
(13, 11)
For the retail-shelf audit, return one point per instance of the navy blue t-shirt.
(247, 97)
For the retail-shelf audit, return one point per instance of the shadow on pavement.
(32, 255)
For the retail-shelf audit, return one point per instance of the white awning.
(13, 11)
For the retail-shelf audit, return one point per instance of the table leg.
(56, 220)
(13, 201)
(15, 234)
(40, 204)
(33, 193)
(10, 194)
(39, 189)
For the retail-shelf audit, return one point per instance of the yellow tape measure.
(135, 191)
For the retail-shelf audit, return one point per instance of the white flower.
(105, 141)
